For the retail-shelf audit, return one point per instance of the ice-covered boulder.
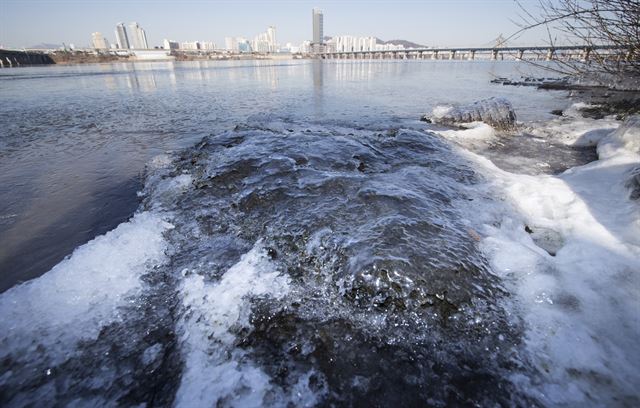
(497, 112)
(633, 184)
(625, 140)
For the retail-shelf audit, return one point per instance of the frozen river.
(272, 233)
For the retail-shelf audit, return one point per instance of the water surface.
(75, 139)
(285, 233)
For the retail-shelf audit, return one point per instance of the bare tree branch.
(591, 23)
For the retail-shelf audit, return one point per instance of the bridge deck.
(486, 49)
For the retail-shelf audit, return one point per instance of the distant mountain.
(45, 46)
(405, 43)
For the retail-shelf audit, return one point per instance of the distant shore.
(17, 58)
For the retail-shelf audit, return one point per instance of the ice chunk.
(633, 183)
(497, 112)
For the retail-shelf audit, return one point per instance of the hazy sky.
(429, 22)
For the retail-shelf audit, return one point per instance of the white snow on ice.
(81, 294)
(441, 110)
(474, 134)
(581, 306)
(216, 373)
(574, 130)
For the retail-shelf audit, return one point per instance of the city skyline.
(430, 23)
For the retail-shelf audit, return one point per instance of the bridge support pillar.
(494, 55)
(452, 55)
(472, 55)
(586, 53)
(549, 54)
(520, 54)
(434, 55)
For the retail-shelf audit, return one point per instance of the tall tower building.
(121, 37)
(271, 39)
(99, 42)
(318, 30)
(138, 37)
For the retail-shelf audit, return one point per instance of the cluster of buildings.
(188, 45)
(348, 43)
(263, 42)
(343, 43)
(134, 37)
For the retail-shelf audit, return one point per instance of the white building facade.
(170, 44)
(138, 39)
(348, 43)
(317, 42)
(266, 42)
(99, 42)
(122, 40)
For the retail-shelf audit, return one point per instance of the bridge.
(493, 53)
(16, 58)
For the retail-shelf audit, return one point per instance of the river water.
(75, 139)
(299, 237)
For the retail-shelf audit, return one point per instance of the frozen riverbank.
(569, 249)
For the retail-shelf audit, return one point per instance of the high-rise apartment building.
(238, 44)
(207, 45)
(170, 44)
(231, 44)
(244, 45)
(138, 38)
(99, 42)
(271, 38)
(348, 43)
(266, 42)
(121, 37)
(318, 30)
(190, 45)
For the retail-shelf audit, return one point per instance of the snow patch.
(474, 134)
(81, 294)
(217, 373)
(574, 130)
(624, 142)
(581, 294)
(441, 111)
